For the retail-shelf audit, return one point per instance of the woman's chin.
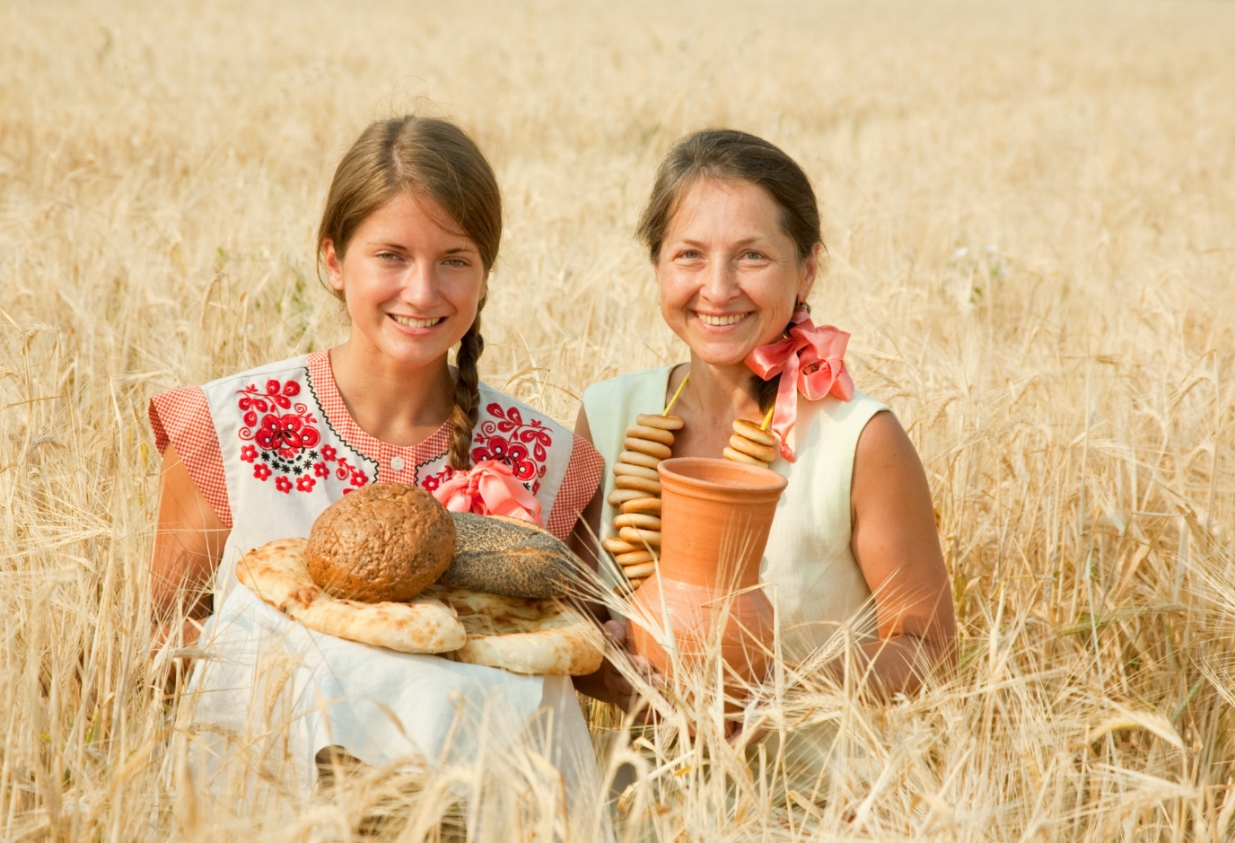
(720, 356)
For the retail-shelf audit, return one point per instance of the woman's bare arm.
(188, 545)
(897, 547)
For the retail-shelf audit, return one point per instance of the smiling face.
(411, 279)
(729, 275)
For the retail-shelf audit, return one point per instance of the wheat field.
(1030, 219)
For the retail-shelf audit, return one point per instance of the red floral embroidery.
(285, 436)
(431, 483)
(523, 446)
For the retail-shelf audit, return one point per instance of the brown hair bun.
(384, 542)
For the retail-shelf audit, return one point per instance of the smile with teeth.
(415, 323)
(721, 321)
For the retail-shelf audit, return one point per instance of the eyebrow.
(390, 244)
(746, 241)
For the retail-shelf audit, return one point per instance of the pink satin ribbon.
(489, 488)
(810, 361)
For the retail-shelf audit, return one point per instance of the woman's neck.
(399, 405)
(711, 400)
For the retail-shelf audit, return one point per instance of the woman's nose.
(720, 283)
(420, 284)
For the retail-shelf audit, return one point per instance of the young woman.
(732, 229)
(409, 235)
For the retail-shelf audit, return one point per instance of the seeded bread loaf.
(506, 556)
(384, 542)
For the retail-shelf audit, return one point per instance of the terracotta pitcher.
(715, 519)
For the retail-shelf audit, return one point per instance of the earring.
(801, 305)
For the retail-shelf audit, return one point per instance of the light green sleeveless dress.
(818, 584)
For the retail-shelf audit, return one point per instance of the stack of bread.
(637, 495)
(387, 565)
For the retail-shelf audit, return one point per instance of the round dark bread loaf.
(384, 542)
(509, 557)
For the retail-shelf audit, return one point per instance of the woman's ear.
(334, 266)
(810, 271)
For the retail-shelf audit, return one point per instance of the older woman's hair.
(731, 156)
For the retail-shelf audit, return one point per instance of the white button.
(396, 463)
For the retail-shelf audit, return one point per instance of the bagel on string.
(652, 449)
(636, 494)
(649, 505)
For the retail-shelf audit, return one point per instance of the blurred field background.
(1030, 216)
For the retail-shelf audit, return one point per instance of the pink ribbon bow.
(810, 361)
(489, 488)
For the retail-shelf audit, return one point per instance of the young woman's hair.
(728, 155)
(436, 157)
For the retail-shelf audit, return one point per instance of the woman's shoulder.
(293, 368)
(623, 386)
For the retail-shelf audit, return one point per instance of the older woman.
(732, 229)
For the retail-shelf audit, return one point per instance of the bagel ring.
(738, 456)
(638, 572)
(639, 484)
(636, 558)
(652, 449)
(660, 422)
(624, 470)
(636, 458)
(753, 432)
(649, 505)
(651, 434)
(616, 546)
(620, 496)
(636, 536)
(641, 520)
(752, 448)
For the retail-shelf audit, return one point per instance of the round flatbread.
(277, 573)
(534, 637)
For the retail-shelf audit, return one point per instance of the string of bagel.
(637, 484)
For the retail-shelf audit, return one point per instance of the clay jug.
(715, 519)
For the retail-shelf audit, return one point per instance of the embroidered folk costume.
(270, 449)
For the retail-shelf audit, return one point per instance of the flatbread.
(277, 573)
(523, 635)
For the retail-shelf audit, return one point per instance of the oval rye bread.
(382, 543)
(506, 556)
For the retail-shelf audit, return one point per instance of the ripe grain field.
(1030, 219)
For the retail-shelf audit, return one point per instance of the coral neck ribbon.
(489, 488)
(810, 360)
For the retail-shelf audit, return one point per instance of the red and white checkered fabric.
(182, 418)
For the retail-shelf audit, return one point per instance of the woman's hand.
(608, 684)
